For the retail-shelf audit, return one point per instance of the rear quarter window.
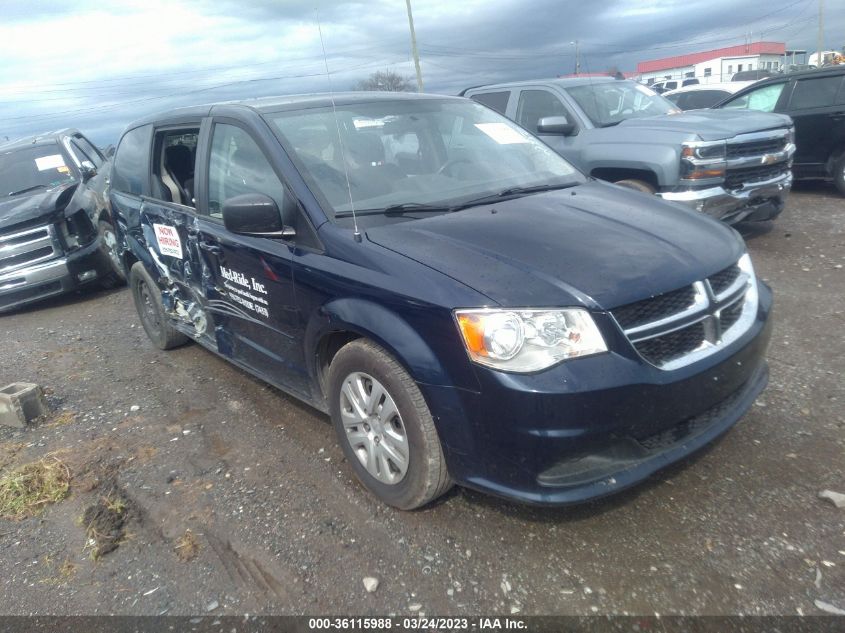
(815, 93)
(131, 162)
(496, 100)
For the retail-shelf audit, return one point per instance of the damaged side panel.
(165, 240)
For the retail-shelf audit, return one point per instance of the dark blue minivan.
(466, 305)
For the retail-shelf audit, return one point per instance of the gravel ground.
(191, 443)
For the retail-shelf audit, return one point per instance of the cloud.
(97, 66)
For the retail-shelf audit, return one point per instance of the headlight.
(525, 340)
(703, 160)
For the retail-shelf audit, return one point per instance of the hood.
(35, 205)
(710, 125)
(595, 245)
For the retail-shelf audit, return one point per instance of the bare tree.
(385, 81)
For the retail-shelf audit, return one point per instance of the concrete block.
(20, 403)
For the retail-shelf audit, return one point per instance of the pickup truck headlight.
(526, 340)
(703, 161)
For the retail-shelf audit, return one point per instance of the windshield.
(28, 168)
(421, 152)
(608, 103)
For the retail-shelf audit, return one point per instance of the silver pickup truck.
(732, 165)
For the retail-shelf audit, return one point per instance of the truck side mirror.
(557, 125)
(255, 214)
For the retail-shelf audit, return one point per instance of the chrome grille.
(724, 279)
(737, 178)
(27, 247)
(756, 148)
(655, 308)
(757, 157)
(675, 328)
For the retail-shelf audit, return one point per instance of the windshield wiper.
(610, 124)
(398, 209)
(32, 188)
(511, 192)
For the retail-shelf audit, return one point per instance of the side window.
(764, 99)
(698, 99)
(536, 104)
(174, 159)
(237, 166)
(91, 153)
(129, 173)
(815, 93)
(495, 100)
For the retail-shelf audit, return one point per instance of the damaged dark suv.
(466, 305)
(55, 230)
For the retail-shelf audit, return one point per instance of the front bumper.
(757, 202)
(33, 283)
(594, 426)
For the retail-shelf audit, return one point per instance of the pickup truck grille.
(756, 148)
(750, 158)
(737, 178)
(26, 247)
(669, 330)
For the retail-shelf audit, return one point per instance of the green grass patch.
(27, 489)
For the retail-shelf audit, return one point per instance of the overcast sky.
(98, 65)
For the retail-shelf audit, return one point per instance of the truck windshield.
(611, 102)
(425, 154)
(34, 167)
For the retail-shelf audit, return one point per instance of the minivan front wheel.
(384, 427)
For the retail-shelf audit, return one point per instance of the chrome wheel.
(374, 428)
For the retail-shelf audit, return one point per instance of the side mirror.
(557, 125)
(255, 214)
(87, 170)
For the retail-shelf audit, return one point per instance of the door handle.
(214, 249)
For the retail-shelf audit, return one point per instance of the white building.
(716, 65)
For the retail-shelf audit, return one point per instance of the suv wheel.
(116, 276)
(839, 174)
(384, 427)
(147, 298)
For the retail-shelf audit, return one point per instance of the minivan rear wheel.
(154, 319)
(385, 427)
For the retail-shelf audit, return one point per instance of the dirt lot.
(159, 443)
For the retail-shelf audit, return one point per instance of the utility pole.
(577, 58)
(414, 47)
(820, 44)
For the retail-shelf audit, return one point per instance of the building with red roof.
(715, 65)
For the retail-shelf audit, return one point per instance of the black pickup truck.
(55, 230)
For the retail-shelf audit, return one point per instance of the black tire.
(426, 477)
(839, 174)
(116, 275)
(637, 185)
(147, 299)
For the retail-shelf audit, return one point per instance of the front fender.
(385, 327)
(446, 386)
(662, 160)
